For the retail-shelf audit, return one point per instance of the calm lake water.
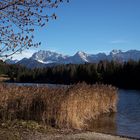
(38, 85)
(125, 122)
(128, 116)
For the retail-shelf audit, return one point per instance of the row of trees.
(126, 75)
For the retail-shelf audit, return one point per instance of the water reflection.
(38, 85)
(126, 121)
(105, 124)
(128, 116)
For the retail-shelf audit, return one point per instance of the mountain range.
(43, 58)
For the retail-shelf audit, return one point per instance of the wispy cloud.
(118, 41)
(25, 53)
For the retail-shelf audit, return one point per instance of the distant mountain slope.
(42, 58)
(10, 61)
(47, 57)
(124, 56)
(31, 63)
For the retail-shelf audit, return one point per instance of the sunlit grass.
(69, 107)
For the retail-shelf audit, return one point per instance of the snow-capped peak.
(48, 57)
(82, 55)
(113, 52)
(43, 58)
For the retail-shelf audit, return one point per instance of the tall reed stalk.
(63, 107)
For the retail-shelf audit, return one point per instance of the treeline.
(123, 75)
(3, 68)
(11, 70)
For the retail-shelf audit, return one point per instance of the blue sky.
(92, 26)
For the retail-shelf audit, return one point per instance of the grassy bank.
(30, 130)
(71, 107)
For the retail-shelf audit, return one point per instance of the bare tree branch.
(17, 21)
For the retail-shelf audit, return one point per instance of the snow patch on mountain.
(47, 62)
(48, 58)
(82, 55)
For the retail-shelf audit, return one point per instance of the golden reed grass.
(69, 107)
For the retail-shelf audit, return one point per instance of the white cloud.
(25, 53)
(118, 41)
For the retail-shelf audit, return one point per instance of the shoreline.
(23, 130)
(25, 134)
(77, 136)
(121, 136)
(40, 84)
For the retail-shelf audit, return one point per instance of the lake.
(125, 122)
(128, 116)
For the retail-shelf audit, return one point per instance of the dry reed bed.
(69, 107)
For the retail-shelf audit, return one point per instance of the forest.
(122, 75)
